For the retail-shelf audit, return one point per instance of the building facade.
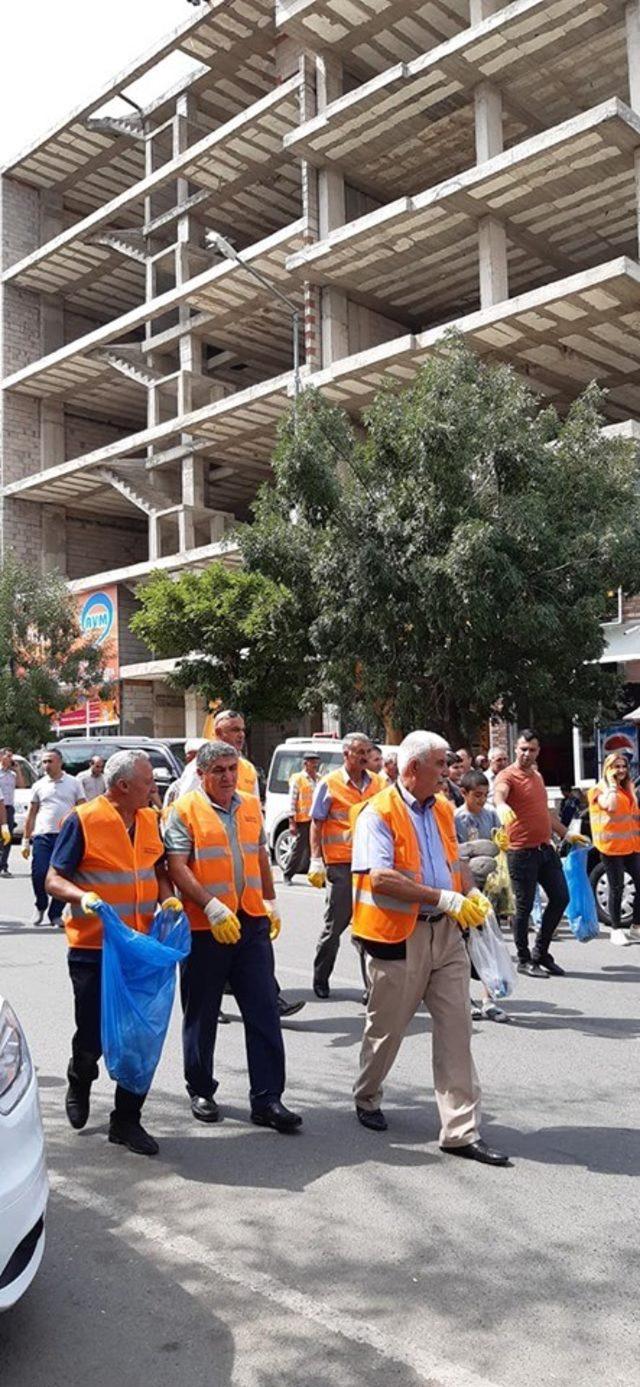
(390, 167)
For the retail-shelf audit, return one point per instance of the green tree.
(236, 634)
(45, 663)
(453, 552)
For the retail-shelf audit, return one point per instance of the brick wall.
(20, 212)
(21, 329)
(21, 437)
(22, 530)
(95, 546)
(133, 651)
(136, 709)
(86, 435)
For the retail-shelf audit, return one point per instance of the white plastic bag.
(491, 958)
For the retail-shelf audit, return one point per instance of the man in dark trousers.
(520, 797)
(301, 791)
(218, 860)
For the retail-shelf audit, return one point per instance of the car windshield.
(285, 763)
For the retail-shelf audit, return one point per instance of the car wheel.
(282, 846)
(598, 879)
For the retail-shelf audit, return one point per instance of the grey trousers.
(299, 857)
(337, 918)
(436, 972)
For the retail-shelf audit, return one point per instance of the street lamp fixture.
(224, 247)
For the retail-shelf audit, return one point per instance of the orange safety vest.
(212, 863)
(122, 872)
(345, 801)
(380, 917)
(615, 832)
(306, 791)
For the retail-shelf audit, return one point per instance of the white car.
(23, 796)
(286, 760)
(24, 1186)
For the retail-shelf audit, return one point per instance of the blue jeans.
(248, 969)
(42, 851)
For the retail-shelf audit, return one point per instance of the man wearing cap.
(301, 791)
(218, 860)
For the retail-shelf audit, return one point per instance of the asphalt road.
(340, 1257)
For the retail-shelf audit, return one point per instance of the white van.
(286, 760)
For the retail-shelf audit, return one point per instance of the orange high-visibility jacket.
(212, 863)
(380, 917)
(305, 792)
(337, 828)
(615, 832)
(122, 872)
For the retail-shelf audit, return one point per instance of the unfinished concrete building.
(390, 167)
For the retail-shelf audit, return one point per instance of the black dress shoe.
(205, 1109)
(375, 1121)
(277, 1116)
(477, 1151)
(322, 990)
(532, 970)
(77, 1106)
(365, 999)
(286, 1008)
(132, 1135)
(550, 966)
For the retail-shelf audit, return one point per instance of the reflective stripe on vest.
(336, 830)
(212, 860)
(377, 916)
(615, 832)
(122, 872)
(306, 790)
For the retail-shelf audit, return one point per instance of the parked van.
(286, 760)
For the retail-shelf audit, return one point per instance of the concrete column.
(481, 9)
(632, 17)
(492, 241)
(195, 711)
(54, 540)
(331, 214)
(52, 439)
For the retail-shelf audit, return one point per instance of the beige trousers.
(436, 972)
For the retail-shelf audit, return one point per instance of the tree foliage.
(453, 553)
(235, 634)
(45, 663)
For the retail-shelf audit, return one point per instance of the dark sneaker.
(532, 970)
(132, 1135)
(550, 966)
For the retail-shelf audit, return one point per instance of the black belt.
(433, 918)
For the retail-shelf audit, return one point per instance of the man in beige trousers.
(410, 902)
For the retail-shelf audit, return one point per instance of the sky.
(54, 54)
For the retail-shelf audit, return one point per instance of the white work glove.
(225, 926)
(90, 902)
(275, 922)
(468, 911)
(316, 876)
(26, 850)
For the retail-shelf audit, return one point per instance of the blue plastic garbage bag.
(582, 911)
(138, 986)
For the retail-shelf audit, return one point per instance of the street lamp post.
(225, 248)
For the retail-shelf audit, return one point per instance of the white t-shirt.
(54, 799)
(91, 785)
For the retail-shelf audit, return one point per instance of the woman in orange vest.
(409, 907)
(302, 789)
(615, 829)
(110, 850)
(218, 860)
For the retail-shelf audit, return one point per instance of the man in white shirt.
(10, 779)
(92, 782)
(52, 798)
(498, 760)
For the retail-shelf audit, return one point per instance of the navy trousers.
(247, 967)
(5, 848)
(41, 853)
(85, 971)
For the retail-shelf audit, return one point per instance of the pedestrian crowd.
(413, 849)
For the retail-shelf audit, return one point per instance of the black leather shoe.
(550, 966)
(532, 970)
(277, 1116)
(477, 1151)
(375, 1121)
(322, 990)
(132, 1135)
(288, 1008)
(365, 999)
(77, 1106)
(205, 1109)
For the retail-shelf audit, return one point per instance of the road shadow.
(102, 1311)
